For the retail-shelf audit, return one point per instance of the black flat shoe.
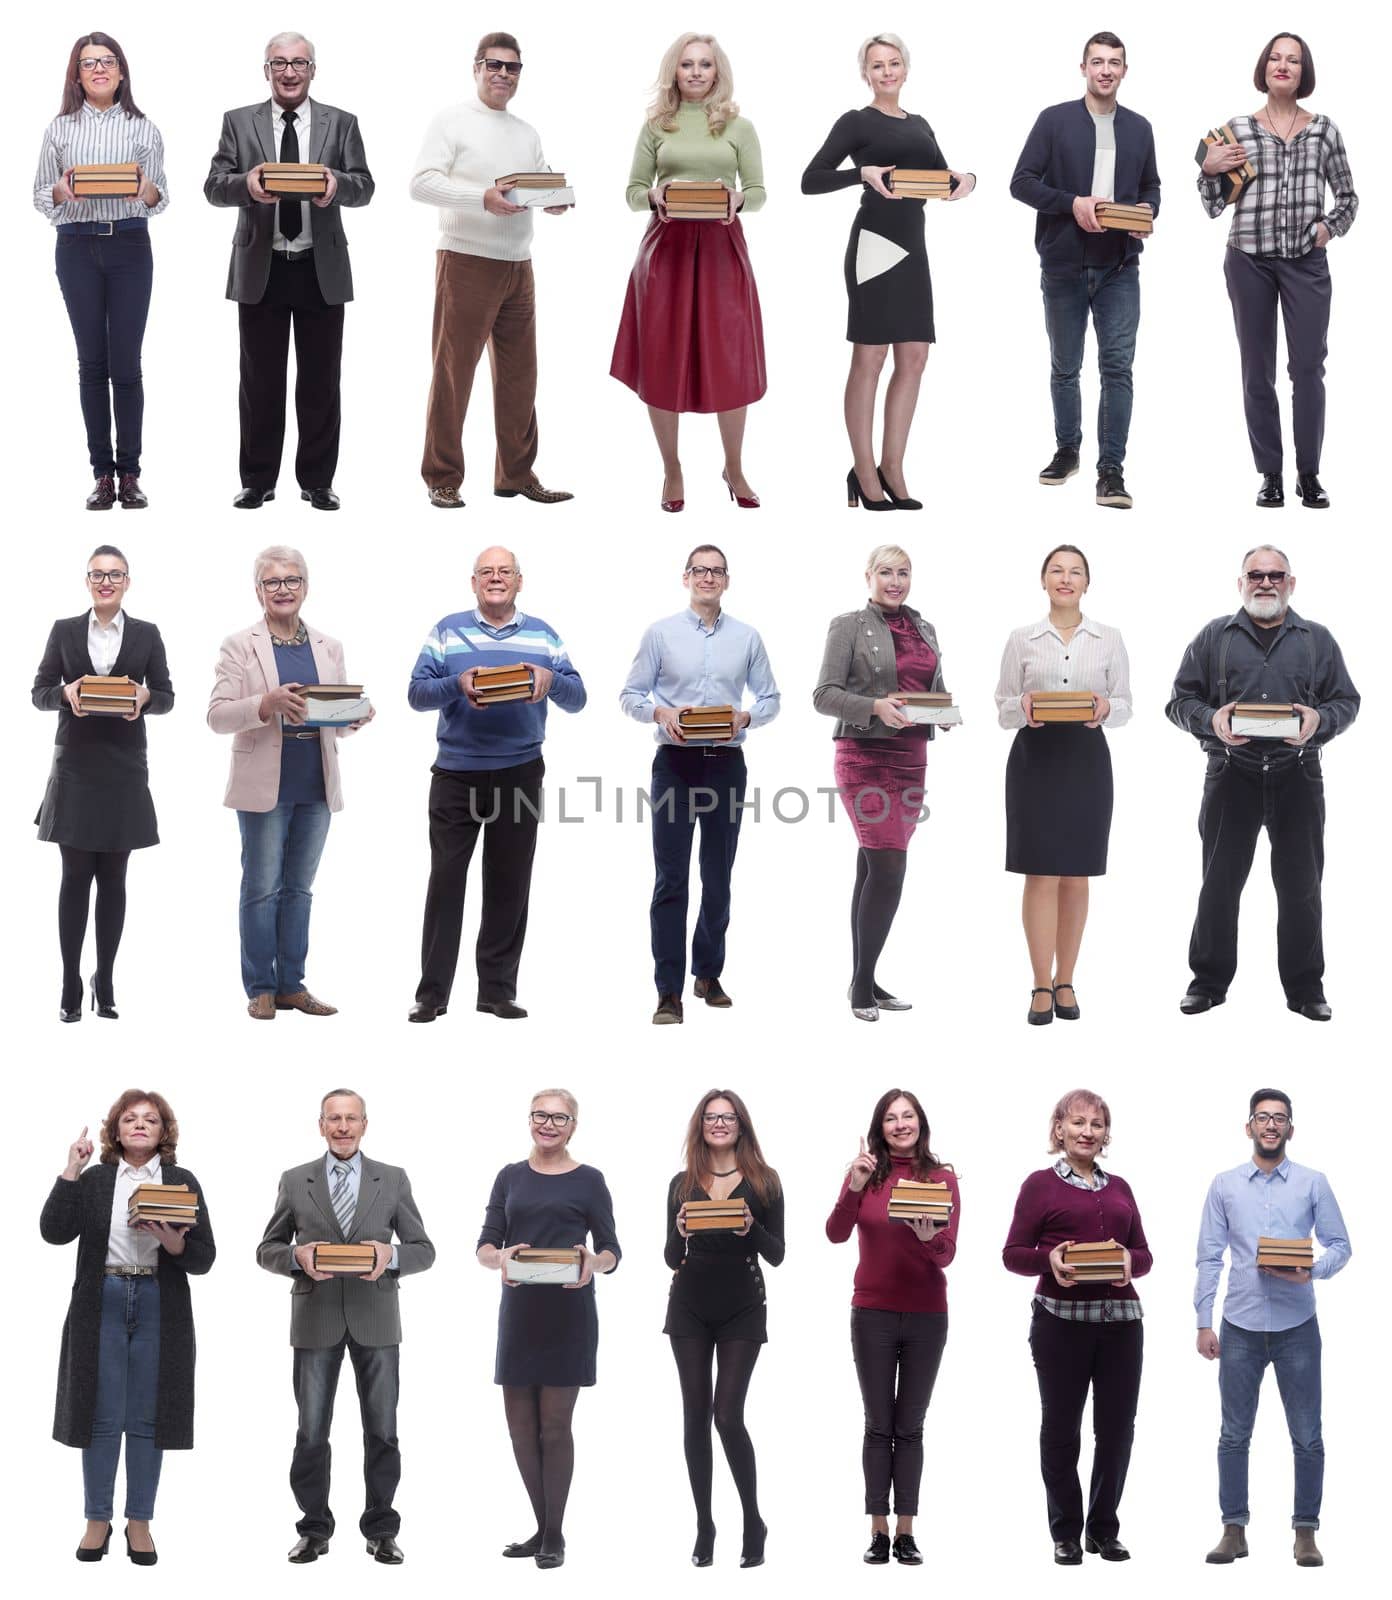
(1193, 1005)
(1040, 1019)
(1068, 1553)
(422, 1011)
(1313, 1010)
(703, 1551)
(1066, 1013)
(386, 1550)
(321, 499)
(505, 1009)
(1307, 486)
(878, 1553)
(906, 1552)
(547, 1559)
(900, 502)
(753, 1553)
(525, 1547)
(140, 1558)
(1272, 493)
(1108, 1549)
(96, 1551)
(252, 499)
(307, 1549)
(855, 496)
(103, 1008)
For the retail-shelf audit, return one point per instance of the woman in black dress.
(887, 281)
(547, 1335)
(97, 806)
(716, 1306)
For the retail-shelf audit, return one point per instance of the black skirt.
(1058, 802)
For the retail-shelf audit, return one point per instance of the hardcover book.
(543, 1266)
(696, 200)
(1062, 705)
(1130, 219)
(1285, 1252)
(494, 685)
(163, 1202)
(929, 706)
(909, 1198)
(1103, 1262)
(1235, 181)
(303, 178)
(920, 183)
(344, 1260)
(714, 1216)
(1264, 719)
(106, 697)
(106, 180)
(707, 724)
(334, 705)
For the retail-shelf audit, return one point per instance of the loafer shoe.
(303, 1000)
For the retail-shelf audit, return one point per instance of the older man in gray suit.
(341, 1198)
(289, 267)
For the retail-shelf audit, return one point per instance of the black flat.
(547, 1559)
(140, 1558)
(900, 502)
(1066, 1013)
(1039, 1019)
(94, 1552)
(753, 1553)
(526, 1547)
(103, 1008)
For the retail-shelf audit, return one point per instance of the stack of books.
(918, 183)
(494, 685)
(1096, 1263)
(304, 178)
(714, 1216)
(1264, 719)
(334, 705)
(908, 1199)
(692, 201)
(544, 1266)
(344, 1260)
(106, 697)
(1285, 1252)
(114, 180)
(537, 189)
(707, 724)
(1130, 219)
(929, 706)
(163, 1202)
(1062, 705)
(1233, 182)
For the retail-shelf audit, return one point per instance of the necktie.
(342, 1199)
(290, 206)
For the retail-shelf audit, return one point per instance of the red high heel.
(746, 502)
(673, 505)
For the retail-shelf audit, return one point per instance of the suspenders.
(1223, 667)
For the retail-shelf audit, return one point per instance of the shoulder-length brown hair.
(696, 1158)
(111, 1126)
(73, 96)
(1307, 65)
(924, 1161)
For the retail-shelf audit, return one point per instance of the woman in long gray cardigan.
(127, 1360)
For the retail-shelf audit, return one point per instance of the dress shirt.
(89, 137)
(1248, 1203)
(1279, 210)
(104, 642)
(127, 1246)
(1093, 660)
(304, 115)
(354, 1165)
(682, 662)
(1088, 1310)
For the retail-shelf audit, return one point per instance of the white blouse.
(127, 1246)
(1093, 660)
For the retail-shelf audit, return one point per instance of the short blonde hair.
(571, 1103)
(719, 103)
(891, 41)
(886, 552)
(283, 555)
(1079, 1097)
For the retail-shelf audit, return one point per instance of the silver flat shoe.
(889, 1002)
(866, 1013)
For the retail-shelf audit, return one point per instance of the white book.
(540, 197)
(938, 716)
(1266, 727)
(541, 1271)
(334, 712)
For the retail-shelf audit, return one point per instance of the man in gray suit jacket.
(289, 266)
(343, 1198)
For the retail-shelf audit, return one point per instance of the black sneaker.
(878, 1553)
(1111, 491)
(1060, 469)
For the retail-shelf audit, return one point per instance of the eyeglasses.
(719, 1119)
(492, 64)
(708, 572)
(495, 572)
(91, 63)
(290, 585)
(94, 576)
(1277, 1119)
(279, 64)
(1266, 577)
(554, 1119)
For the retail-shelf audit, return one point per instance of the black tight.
(80, 869)
(538, 1419)
(723, 1405)
(879, 882)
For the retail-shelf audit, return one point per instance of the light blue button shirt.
(354, 1165)
(682, 662)
(1246, 1204)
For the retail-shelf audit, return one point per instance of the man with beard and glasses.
(1263, 653)
(1268, 1316)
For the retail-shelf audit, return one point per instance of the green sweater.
(691, 152)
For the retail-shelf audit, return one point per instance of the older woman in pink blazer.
(284, 780)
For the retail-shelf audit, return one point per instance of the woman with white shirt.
(127, 1360)
(1058, 781)
(97, 806)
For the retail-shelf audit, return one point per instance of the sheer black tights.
(538, 1419)
(722, 1404)
(81, 868)
(879, 882)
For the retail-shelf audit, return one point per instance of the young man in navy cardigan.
(1077, 154)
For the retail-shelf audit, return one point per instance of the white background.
(449, 1102)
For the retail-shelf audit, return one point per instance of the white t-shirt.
(1104, 161)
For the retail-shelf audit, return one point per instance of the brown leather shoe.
(1231, 1547)
(131, 495)
(303, 1000)
(709, 990)
(446, 499)
(534, 491)
(669, 1009)
(1306, 1550)
(262, 1007)
(103, 495)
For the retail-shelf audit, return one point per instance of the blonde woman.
(691, 337)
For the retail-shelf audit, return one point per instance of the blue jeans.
(127, 1396)
(1295, 1354)
(377, 1369)
(1113, 296)
(280, 855)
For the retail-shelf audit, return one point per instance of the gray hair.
(343, 1094)
(1275, 549)
(891, 41)
(282, 554)
(512, 557)
(571, 1103)
(282, 40)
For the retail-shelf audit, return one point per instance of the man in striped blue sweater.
(487, 778)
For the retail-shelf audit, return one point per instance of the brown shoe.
(131, 495)
(534, 491)
(262, 1007)
(709, 990)
(103, 495)
(669, 1009)
(1306, 1550)
(446, 499)
(1231, 1547)
(303, 1000)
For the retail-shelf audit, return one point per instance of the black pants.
(1070, 1358)
(377, 1370)
(897, 1355)
(504, 806)
(292, 298)
(1286, 797)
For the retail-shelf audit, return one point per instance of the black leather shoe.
(505, 1009)
(906, 1552)
(308, 1549)
(1111, 491)
(386, 1549)
(130, 494)
(1192, 1005)
(1040, 1019)
(669, 1008)
(251, 499)
(1272, 492)
(1066, 1013)
(709, 990)
(900, 502)
(103, 1008)
(1307, 486)
(140, 1558)
(878, 1553)
(321, 499)
(1108, 1549)
(524, 1547)
(103, 495)
(94, 1552)
(423, 1012)
(1315, 1010)
(1068, 1553)
(1063, 467)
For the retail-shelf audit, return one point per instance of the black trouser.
(505, 806)
(1284, 795)
(897, 1355)
(1070, 1358)
(377, 1370)
(292, 297)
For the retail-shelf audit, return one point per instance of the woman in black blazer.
(128, 1348)
(97, 806)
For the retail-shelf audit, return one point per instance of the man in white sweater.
(484, 295)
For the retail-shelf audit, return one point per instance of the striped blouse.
(89, 136)
(1036, 657)
(1279, 210)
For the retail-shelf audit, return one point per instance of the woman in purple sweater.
(1083, 1333)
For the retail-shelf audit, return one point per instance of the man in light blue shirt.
(700, 657)
(1268, 1315)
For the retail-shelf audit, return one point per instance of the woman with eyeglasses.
(97, 806)
(873, 657)
(715, 1310)
(548, 1334)
(1058, 780)
(898, 1310)
(691, 337)
(103, 253)
(284, 783)
(1085, 1329)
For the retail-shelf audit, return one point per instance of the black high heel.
(103, 1008)
(855, 495)
(1037, 1019)
(140, 1558)
(753, 1553)
(70, 1005)
(94, 1552)
(899, 502)
(703, 1551)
